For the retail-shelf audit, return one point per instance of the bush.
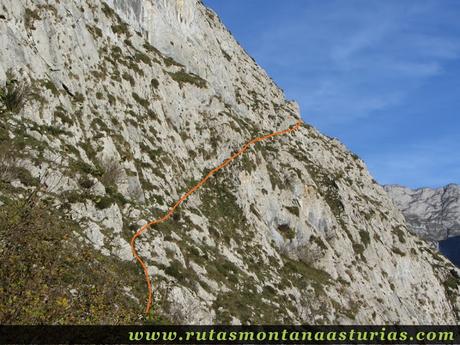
(286, 231)
(86, 183)
(183, 77)
(142, 101)
(43, 260)
(113, 173)
(104, 202)
(139, 56)
(154, 83)
(79, 98)
(8, 163)
(83, 167)
(128, 77)
(13, 95)
(30, 16)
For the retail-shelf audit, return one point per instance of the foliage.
(112, 174)
(142, 101)
(286, 231)
(183, 77)
(30, 16)
(63, 280)
(13, 96)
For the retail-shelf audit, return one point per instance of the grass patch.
(49, 85)
(139, 56)
(121, 29)
(294, 210)
(79, 98)
(142, 101)
(400, 233)
(57, 278)
(182, 78)
(126, 76)
(365, 238)
(169, 61)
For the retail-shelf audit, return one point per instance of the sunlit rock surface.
(132, 103)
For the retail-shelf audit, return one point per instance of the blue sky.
(382, 76)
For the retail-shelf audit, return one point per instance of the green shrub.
(286, 231)
(119, 198)
(139, 56)
(358, 248)
(13, 96)
(86, 182)
(43, 260)
(95, 31)
(151, 48)
(142, 101)
(80, 166)
(64, 116)
(50, 86)
(117, 52)
(183, 77)
(319, 242)
(30, 16)
(154, 83)
(79, 98)
(175, 270)
(306, 270)
(25, 177)
(108, 11)
(54, 131)
(121, 29)
(294, 210)
(399, 231)
(169, 61)
(112, 173)
(104, 202)
(73, 197)
(126, 76)
(365, 238)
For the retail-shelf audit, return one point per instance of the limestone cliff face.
(433, 214)
(131, 103)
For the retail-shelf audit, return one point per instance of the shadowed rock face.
(433, 214)
(450, 247)
(131, 103)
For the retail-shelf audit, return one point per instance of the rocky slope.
(128, 104)
(433, 214)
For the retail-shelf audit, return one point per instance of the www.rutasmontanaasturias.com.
(286, 335)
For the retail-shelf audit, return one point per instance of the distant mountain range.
(433, 214)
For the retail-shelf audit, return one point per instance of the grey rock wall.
(433, 214)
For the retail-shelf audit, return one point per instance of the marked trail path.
(169, 214)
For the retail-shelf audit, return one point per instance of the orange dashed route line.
(169, 214)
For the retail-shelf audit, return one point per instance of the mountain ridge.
(432, 213)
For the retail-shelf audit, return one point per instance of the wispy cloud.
(427, 164)
(372, 53)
